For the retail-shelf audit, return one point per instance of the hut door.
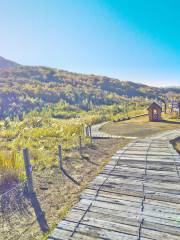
(155, 114)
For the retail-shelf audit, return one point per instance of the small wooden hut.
(154, 112)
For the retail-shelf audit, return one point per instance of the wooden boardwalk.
(136, 196)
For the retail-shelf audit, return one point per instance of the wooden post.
(60, 156)
(90, 133)
(85, 131)
(80, 145)
(90, 129)
(33, 198)
(28, 169)
(165, 107)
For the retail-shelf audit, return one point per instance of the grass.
(42, 135)
(60, 193)
(128, 114)
(140, 127)
(176, 144)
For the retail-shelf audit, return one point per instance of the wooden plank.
(157, 235)
(82, 236)
(153, 205)
(104, 233)
(128, 223)
(111, 226)
(174, 179)
(60, 234)
(149, 195)
(148, 209)
(138, 187)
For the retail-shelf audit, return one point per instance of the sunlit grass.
(128, 114)
(12, 162)
(42, 135)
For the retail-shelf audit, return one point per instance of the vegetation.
(141, 127)
(41, 134)
(25, 88)
(41, 107)
(4, 63)
(177, 144)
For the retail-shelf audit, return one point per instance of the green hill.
(24, 88)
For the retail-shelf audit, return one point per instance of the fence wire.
(13, 201)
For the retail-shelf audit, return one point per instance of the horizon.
(68, 70)
(128, 40)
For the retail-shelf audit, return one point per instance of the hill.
(24, 88)
(5, 63)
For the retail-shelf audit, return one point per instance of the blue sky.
(136, 40)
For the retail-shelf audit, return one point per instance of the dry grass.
(176, 144)
(140, 127)
(42, 136)
(56, 193)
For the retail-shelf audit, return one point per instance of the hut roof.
(154, 105)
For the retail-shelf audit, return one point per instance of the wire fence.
(61, 157)
(13, 201)
(18, 198)
(50, 173)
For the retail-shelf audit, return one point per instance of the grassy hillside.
(25, 88)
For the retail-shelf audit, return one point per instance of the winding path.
(135, 197)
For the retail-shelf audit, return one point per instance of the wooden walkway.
(135, 197)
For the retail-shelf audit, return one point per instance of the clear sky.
(137, 40)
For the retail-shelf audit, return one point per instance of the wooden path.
(135, 197)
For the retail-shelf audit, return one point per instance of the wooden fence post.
(28, 169)
(80, 145)
(33, 198)
(85, 131)
(60, 157)
(90, 133)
